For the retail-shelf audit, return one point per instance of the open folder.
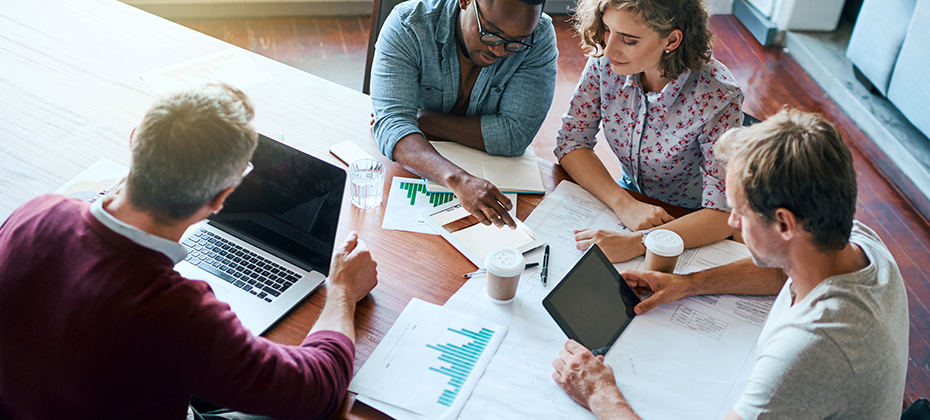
(519, 174)
(473, 239)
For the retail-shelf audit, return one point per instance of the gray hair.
(191, 145)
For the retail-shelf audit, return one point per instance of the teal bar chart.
(462, 360)
(429, 362)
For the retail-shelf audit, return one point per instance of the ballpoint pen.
(545, 267)
(482, 271)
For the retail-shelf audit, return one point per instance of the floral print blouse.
(664, 140)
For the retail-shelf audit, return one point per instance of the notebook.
(519, 174)
(272, 243)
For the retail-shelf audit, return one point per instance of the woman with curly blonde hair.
(663, 101)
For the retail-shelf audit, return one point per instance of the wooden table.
(71, 95)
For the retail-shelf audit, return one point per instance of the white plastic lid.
(504, 262)
(664, 243)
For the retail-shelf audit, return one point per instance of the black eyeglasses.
(492, 39)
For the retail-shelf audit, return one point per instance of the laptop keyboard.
(238, 266)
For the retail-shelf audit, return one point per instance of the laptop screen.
(288, 205)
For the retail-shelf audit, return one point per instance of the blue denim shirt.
(416, 66)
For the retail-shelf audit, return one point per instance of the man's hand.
(617, 246)
(590, 382)
(483, 200)
(353, 272)
(663, 288)
(638, 216)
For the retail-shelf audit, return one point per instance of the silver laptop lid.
(288, 205)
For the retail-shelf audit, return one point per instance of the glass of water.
(367, 183)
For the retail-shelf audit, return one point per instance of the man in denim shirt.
(482, 75)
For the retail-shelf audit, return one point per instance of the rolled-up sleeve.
(580, 123)
(395, 75)
(714, 193)
(525, 99)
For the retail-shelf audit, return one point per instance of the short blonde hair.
(797, 161)
(663, 16)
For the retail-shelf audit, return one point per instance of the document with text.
(686, 359)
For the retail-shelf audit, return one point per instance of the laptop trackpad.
(193, 272)
(218, 291)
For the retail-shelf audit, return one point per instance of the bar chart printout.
(429, 362)
(419, 189)
(406, 200)
(462, 358)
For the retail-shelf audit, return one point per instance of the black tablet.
(592, 304)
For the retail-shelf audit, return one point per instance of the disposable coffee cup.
(504, 267)
(663, 247)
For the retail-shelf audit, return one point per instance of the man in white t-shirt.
(835, 344)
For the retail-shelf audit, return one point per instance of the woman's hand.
(617, 246)
(638, 216)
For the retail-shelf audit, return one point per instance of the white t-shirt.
(839, 353)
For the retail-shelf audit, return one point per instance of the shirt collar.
(667, 95)
(175, 251)
(443, 28)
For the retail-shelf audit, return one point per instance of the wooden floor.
(334, 48)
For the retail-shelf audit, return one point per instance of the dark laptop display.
(288, 205)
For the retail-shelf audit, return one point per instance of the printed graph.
(430, 361)
(462, 359)
(415, 190)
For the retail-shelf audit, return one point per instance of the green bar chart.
(462, 359)
(414, 190)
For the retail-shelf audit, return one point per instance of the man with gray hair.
(835, 342)
(96, 324)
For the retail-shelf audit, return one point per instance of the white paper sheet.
(475, 240)
(94, 181)
(719, 337)
(232, 66)
(429, 361)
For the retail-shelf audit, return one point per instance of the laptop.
(271, 244)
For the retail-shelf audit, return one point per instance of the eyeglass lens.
(491, 39)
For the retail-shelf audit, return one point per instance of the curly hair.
(662, 16)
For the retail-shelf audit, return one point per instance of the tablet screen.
(592, 304)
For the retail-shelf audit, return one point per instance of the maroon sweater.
(95, 326)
